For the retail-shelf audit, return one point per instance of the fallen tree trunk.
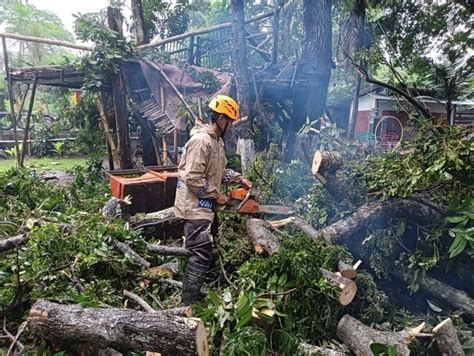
(451, 296)
(123, 329)
(366, 214)
(358, 337)
(447, 338)
(165, 218)
(263, 240)
(347, 288)
(12, 242)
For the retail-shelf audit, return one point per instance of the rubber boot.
(192, 283)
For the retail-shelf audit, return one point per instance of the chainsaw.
(245, 201)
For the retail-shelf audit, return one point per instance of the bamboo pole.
(10, 97)
(276, 30)
(200, 32)
(28, 120)
(15, 36)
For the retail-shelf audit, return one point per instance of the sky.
(64, 9)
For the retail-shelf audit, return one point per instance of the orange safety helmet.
(223, 104)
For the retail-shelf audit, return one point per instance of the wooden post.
(28, 119)
(10, 97)
(191, 50)
(165, 150)
(175, 146)
(18, 115)
(276, 29)
(114, 18)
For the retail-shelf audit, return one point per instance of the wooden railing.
(212, 47)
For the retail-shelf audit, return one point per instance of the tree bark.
(358, 337)
(138, 22)
(114, 18)
(123, 329)
(451, 296)
(263, 240)
(162, 219)
(242, 78)
(366, 214)
(326, 162)
(347, 288)
(316, 62)
(169, 250)
(128, 252)
(311, 350)
(447, 338)
(346, 270)
(12, 242)
(354, 108)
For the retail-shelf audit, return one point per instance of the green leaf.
(244, 310)
(457, 246)
(456, 219)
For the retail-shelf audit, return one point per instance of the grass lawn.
(43, 164)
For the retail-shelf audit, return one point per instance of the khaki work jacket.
(200, 174)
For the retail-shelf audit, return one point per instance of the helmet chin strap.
(225, 128)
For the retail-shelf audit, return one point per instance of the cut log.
(263, 240)
(447, 338)
(347, 288)
(166, 270)
(123, 329)
(347, 270)
(12, 242)
(358, 337)
(306, 228)
(128, 252)
(159, 219)
(307, 349)
(451, 296)
(326, 162)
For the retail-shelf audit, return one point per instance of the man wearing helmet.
(200, 174)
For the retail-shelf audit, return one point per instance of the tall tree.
(316, 62)
(138, 22)
(239, 58)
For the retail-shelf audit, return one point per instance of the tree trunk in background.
(242, 81)
(316, 63)
(354, 108)
(138, 22)
(114, 18)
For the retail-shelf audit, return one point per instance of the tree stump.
(326, 163)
